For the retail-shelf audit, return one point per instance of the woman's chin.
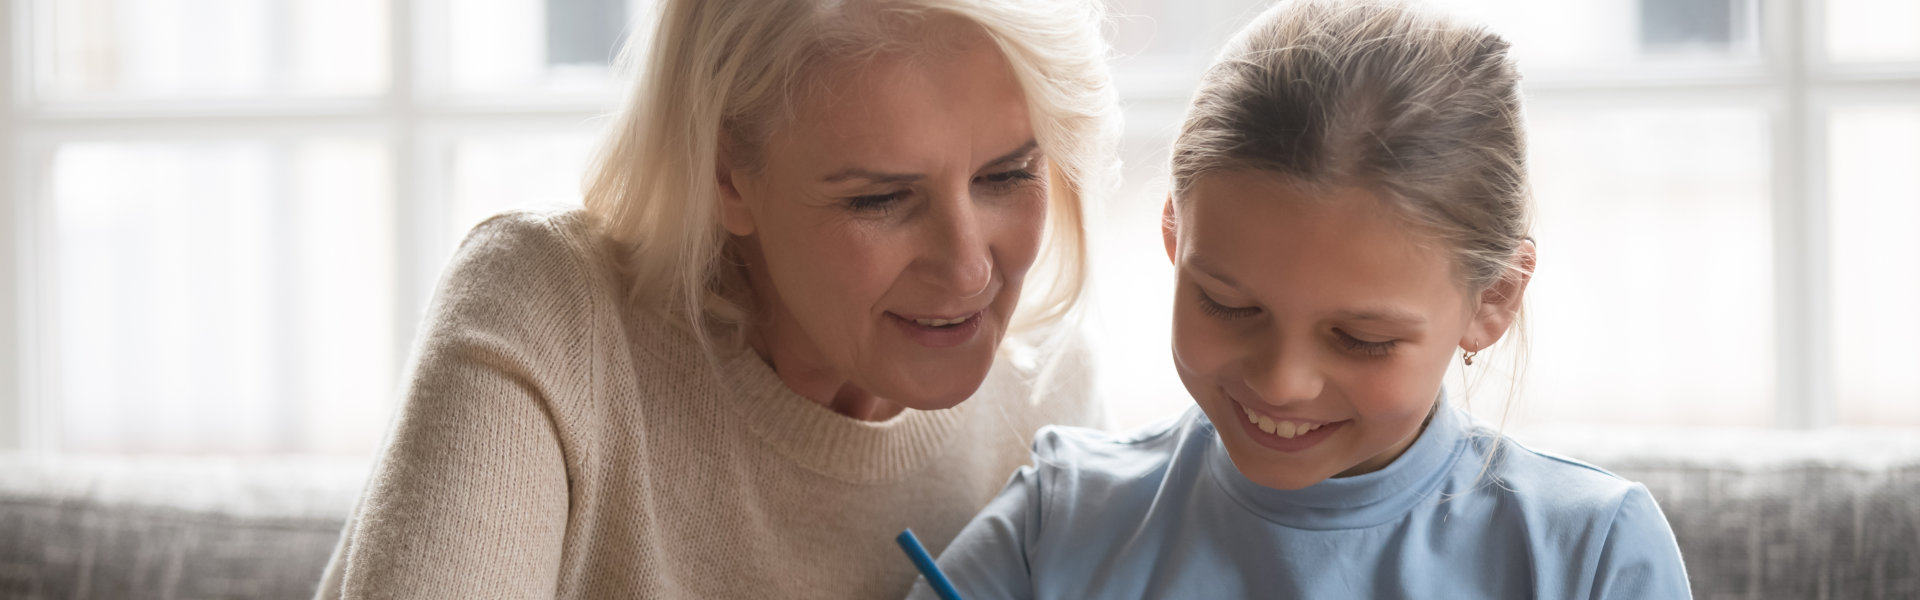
(937, 391)
(924, 397)
(932, 382)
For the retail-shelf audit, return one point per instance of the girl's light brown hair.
(1419, 109)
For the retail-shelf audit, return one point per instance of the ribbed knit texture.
(556, 441)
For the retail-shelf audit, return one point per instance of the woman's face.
(889, 227)
(1313, 332)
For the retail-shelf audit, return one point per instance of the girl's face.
(1314, 332)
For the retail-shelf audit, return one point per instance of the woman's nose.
(958, 257)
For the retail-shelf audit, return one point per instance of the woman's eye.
(1221, 311)
(875, 202)
(1363, 347)
(1007, 179)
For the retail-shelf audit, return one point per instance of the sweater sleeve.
(989, 557)
(470, 497)
(1640, 559)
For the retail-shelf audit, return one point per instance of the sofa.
(1758, 514)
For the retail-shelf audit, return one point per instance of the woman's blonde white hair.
(718, 75)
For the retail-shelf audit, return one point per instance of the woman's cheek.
(1022, 232)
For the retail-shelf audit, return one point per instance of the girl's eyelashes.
(1346, 341)
(1221, 311)
(1363, 347)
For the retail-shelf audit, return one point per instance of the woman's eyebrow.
(873, 176)
(884, 177)
(1021, 152)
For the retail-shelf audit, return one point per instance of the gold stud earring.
(1468, 357)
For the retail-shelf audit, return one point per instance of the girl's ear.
(733, 208)
(1499, 304)
(1166, 228)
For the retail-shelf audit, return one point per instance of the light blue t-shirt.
(1163, 514)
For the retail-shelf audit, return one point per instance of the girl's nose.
(1285, 375)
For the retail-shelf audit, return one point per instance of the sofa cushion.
(170, 528)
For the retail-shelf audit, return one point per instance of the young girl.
(1349, 206)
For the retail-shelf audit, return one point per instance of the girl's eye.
(875, 203)
(1008, 179)
(1363, 347)
(1222, 311)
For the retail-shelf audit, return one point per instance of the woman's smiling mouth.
(938, 331)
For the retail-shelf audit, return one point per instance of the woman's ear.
(1499, 304)
(1167, 228)
(733, 207)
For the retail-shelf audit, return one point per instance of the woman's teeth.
(1285, 429)
(942, 322)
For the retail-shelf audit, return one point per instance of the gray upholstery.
(85, 528)
(1832, 515)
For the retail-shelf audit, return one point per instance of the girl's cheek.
(1392, 387)
(1201, 347)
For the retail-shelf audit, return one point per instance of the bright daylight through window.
(225, 217)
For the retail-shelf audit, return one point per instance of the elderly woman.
(788, 325)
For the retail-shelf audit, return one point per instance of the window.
(231, 212)
(224, 216)
(1722, 191)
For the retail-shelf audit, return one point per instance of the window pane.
(1875, 199)
(517, 47)
(229, 296)
(1653, 299)
(1188, 31)
(1873, 30)
(501, 171)
(1588, 34)
(205, 49)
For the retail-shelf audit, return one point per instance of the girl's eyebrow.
(1203, 266)
(1382, 313)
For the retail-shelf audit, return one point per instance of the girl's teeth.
(1285, 429)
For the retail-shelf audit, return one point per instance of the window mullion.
(1803, 397)
(14, 423)
(413, 212)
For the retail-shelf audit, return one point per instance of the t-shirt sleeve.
(989, 557)
(470, 497)
(1640, 559)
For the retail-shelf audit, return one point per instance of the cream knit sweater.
(556, 442)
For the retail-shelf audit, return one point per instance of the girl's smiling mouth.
(1285, 434)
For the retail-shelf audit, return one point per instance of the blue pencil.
(935, 579)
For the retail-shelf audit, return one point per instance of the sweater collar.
(831, 444)
(1352, 502)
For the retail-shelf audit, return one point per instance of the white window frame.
(1795, 84)
(409, 118)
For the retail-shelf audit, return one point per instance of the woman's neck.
(820, 384)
